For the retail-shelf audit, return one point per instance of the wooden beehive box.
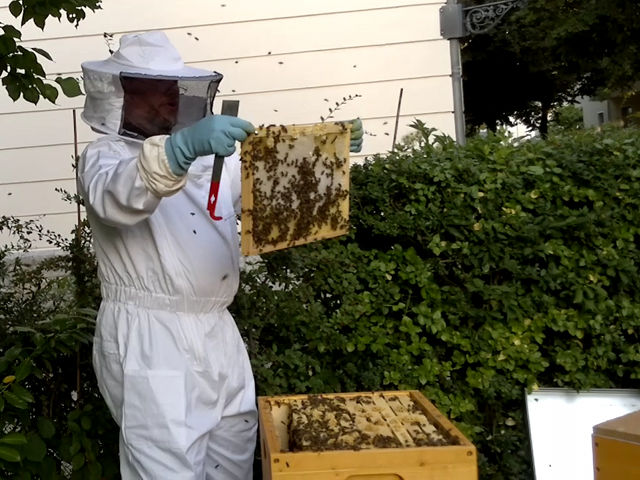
(295, 185)
(616, 448)
(399, 427)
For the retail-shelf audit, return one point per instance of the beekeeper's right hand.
(216, 134)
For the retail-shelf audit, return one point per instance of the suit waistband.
(158, 301)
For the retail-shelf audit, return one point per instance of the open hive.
(319, 423)
(387, 435)
(295, 185)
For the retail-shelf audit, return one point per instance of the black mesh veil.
(161, 105)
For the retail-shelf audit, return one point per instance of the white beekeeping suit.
(169, 359)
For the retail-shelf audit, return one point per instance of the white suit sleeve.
(123, 188)
(154, 169)
(110, 184)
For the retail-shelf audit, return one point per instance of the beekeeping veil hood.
(145, 89)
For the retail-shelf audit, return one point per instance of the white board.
(561, 422)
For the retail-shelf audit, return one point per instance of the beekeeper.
(168, 356)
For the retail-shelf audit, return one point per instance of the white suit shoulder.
(109, 182)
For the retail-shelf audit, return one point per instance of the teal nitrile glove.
(356, 136)
(216, 134)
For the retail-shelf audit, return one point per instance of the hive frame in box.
(284, 167)
(453, 462)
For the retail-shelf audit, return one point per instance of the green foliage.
(546, 53)
(472, 274)
(21, 72)
(54, 423)
(565, 119)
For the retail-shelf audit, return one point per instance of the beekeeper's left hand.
(356, 136)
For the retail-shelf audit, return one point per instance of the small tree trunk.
(544, 119)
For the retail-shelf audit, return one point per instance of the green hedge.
(53, 421)
(471, 274)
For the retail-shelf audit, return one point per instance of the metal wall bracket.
(457, 21)
(482, 18)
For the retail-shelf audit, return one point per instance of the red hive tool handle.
(229, 107)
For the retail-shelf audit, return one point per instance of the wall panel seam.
(254, 92)
(236, 22)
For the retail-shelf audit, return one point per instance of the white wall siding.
(287, 61)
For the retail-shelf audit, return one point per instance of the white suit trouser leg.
(180, 387)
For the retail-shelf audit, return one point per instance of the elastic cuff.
(154, 168)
